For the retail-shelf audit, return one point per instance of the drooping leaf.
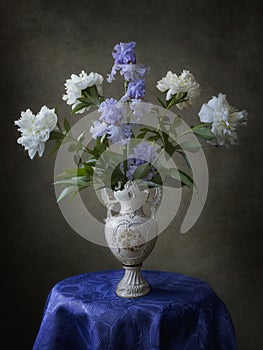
(141, 135)
(204, 132)
(54, 135)
(69, 173)
(186, 179)
(54, 149)
(185, 157)
(76, 181)
(79, 106)
(66, 192)
(189, 146)
(178, 175)
(73, 190)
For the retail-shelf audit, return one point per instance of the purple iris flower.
(125, 53)
(133, 71)
(110, 111)
(135, 91)
(98, 129)
(119, 133)
(125, 62)
(143, 153)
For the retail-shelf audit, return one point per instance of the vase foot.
(132, 285)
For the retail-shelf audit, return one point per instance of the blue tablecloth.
(181, 313)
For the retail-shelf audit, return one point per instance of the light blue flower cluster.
(125, 53)
(135, 91)
(112, 111)
(132, 72)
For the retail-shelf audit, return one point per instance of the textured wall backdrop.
(43, 42)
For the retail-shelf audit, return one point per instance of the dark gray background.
(42, 43)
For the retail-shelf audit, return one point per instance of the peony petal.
(206, 114)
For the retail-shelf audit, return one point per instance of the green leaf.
(142, 171)
(90, 161)
(157, 179)
(76, 181)
(54, 135)
(69, 173)
(153, 138)
(169, 148)
(181, 96)
(141, 135)
(71, 190)
(88, 169)
(186, 179)
(86, 100)
(79, 106)
(54, 149)
(204, 132)
(190, 146)
(66, 192)
(178, 175)
(178, 98)
(185, 157)
(66, 125)
(117, 175)
(94, 91)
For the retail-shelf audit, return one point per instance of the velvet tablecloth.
(182, 313)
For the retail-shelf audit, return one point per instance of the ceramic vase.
(131, 233)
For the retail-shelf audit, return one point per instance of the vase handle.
(109, 202)
(153, 200)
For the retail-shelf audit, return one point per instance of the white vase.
(132, 233)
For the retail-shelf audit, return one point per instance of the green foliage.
(177, 174)
(90, 97)
(204, 132)
(177, 98)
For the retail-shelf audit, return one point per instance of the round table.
(182, 313)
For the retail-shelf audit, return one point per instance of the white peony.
(77, 83)
(224, 119)
(172, 84)
(35, 130)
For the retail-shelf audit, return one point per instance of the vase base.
(132, 285)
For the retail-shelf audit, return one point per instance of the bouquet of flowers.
(144, 150)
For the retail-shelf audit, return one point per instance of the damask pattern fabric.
(180, 313)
